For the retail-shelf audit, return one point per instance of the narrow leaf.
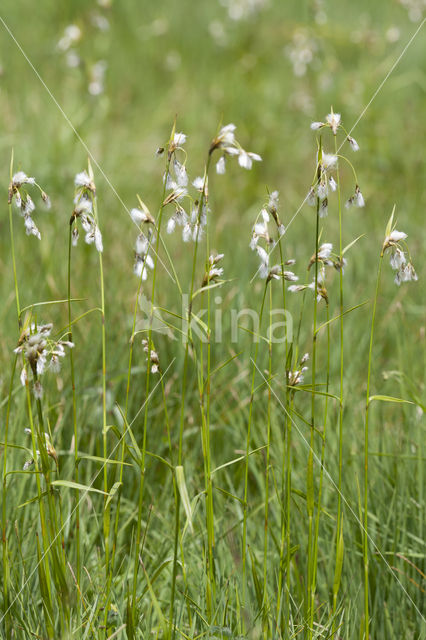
(310, 485)
(76, 485)
(115, 487)
(389, 399)
(389, 225)
(180, 480)
(339, 561)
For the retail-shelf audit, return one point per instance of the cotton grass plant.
(254, 544)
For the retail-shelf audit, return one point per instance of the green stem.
(106, 516)
(339, 482)
(285, 478)
(323, 445)
(147, 391)
(244, 542)
(6, 568)
(74, 419)
(310, 480)
(186, 363)
(367, 407)
(44, 531)
(268, 444)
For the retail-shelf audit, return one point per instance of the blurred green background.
(125, 69)
(121, 75)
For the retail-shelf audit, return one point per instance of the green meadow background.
(271, 72)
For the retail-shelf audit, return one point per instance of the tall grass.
(191, 485)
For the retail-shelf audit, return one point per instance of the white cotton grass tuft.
(83, 180)
(260, 233)
(227, 142)
(245, 159)
(84, 211)
(213, 270)
(20, 178)
(179, 139)
(395, 241)
(296, 376)
(138, 216)
(333, 121)
(152, 356)
(356, 200)
(194, 221)
(143, 259)
(324, 255)
(353, 143)
(198, 183)
(41, 352)
(328, 161)
(221, 166)
(23, 201)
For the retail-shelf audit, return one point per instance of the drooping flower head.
(19, 195)
(400, 259)
(85, 192)
(40, 352)
(226, 141)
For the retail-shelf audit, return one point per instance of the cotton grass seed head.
(333, 121)
(296, 377)
(41, 352)
(227, 142)
(213, 271)
(85, 192)
(395, 242)
(152, 356)
(25, 204)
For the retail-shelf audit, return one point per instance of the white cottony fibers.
(82, 179)
(171, 225)
(221, 166)
(245, 159)
(138, 216)
(396, 236)
(328, 161)
(198, 183)
(333, 120)
(179, 139)
(21, 178)
(354, 144)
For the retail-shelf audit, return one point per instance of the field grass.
(220, 496)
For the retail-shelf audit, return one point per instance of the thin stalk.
(176, 498)
(367, 407)
(339, 482)
(188, 336)
(129, 373)
(74, 420)
(285, 475)
(6, 568)
(210, 509)
(106, 515)
(268, 444)
(244, 542)
(55, 545)
(204, 392)
(186, 360)
(12, 249)
(323, 445)
(147, 390)
(288, 511)
(44, 531)
(6, 572)
(310, 480)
